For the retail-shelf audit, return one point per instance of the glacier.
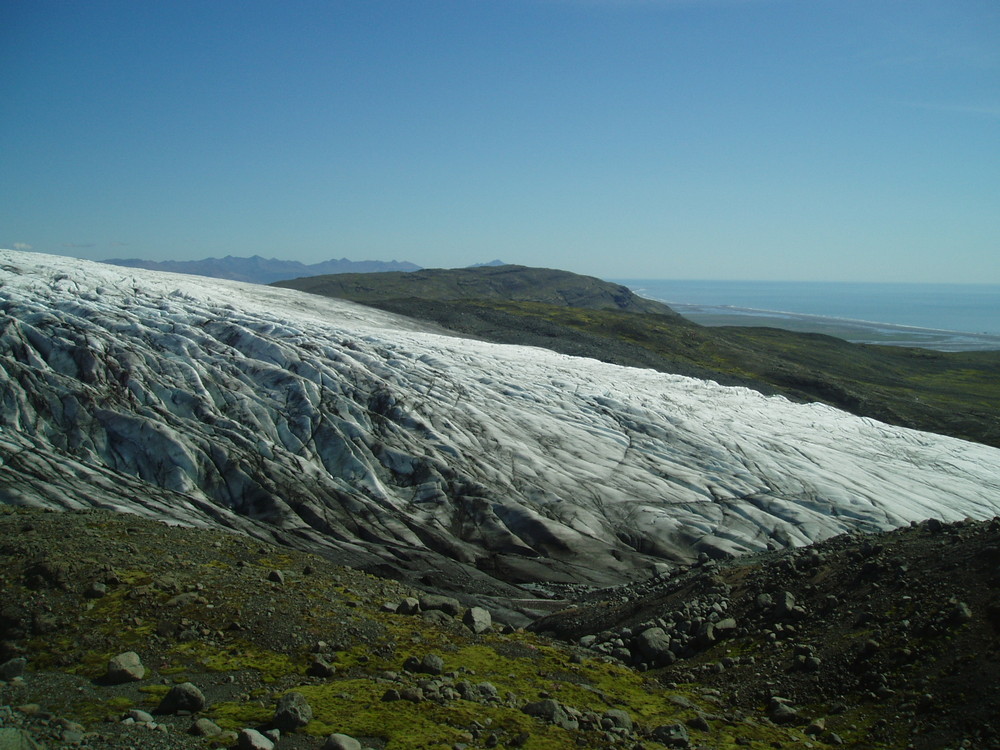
(388, 444)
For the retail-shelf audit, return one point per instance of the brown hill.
(496, 283)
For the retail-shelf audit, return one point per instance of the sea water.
(942, 316)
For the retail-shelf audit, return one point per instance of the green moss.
(355, 707)
(154, 693)
(134, 577)
(271, 664)
(275, 560)
(236, 715)
(89, 712)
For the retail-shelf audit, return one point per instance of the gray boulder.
(96, 590)
(321, 668)
(446, 604)
(126, 667)
(477, 619)
(725, 628)
(183, 697)
(786, 603)
(408, 606)
(780, 712)
(251, 739)
(672, 735)
(653, 644)
(960, 614)
(341, 742)
(205, 728)
(293, 712)
(431, 664)
(552, 712)
(706, 636)
(437, 617)
(619, 718)
(13, 668)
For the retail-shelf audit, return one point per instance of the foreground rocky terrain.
(872, 641)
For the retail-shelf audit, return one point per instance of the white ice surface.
(364, 428)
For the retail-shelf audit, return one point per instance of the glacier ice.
(344, 429)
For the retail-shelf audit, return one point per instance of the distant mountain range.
(258, 270)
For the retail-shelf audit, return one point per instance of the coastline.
(855, 331)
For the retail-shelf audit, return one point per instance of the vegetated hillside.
(869, 641)
(258, 270)
(490, 283)
(951, 393)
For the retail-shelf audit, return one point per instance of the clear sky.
(841, 140)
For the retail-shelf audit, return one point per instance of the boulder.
(552, 712)
(816, 728)
(251, 739)
(408, 606)
(706, 636)
(725, 628)
(183, 697)
(672, 735)
(785, 604)
(431, 664)
(293, 712)
(96, 590)
(619, 718)
(126, 667)
(320, 667)
(780, 712)
(437, 617)
(341, 742)
(447, 604)
(699, 722)
(960, 614)
(12, 668)
(653, 644)
(205, 728)
(477, 619)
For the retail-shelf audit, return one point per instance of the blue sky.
(711, 139)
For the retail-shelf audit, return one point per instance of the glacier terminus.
(393, 446)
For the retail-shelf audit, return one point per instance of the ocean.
(947, 317)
